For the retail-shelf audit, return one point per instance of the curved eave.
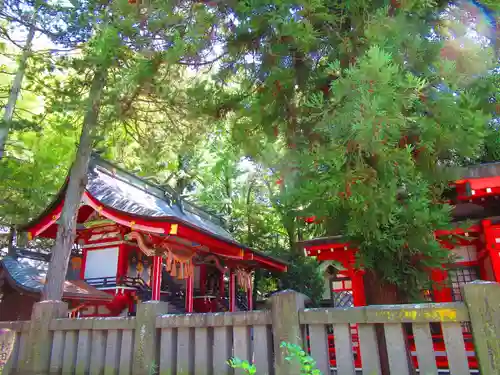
(32, 292)
(67, 295)
(162, 225)
(54, 207)
(314, 246)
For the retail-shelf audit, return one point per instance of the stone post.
(483, 300)
(7, 342)
(285, 308)
(39, 342)
(145, 337)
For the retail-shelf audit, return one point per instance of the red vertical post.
(189, 294)
(493, 247)
(122, 263)
(156, 278)
(441, 290)
(358, 288)
(232, 291)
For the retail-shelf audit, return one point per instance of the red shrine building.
(137, 241)
(476, 250)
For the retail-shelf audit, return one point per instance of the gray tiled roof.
(123, 191)
(26, 273)
(29, 275)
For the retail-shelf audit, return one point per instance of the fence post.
(285, 306)
(483, 300)
(145, 337)
(39, 342)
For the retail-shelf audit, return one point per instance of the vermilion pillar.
(122, 263)
(358, 288)
(441, 290)
(156, 278)
(189, 294)
(492, 239)
(232, 291)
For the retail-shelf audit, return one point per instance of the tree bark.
(249, 213)
(11, 251)
(66, 231)
(15, 89)
(378, 292)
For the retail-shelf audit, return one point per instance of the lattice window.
(460, 277)
(343, 299)
(342, 292)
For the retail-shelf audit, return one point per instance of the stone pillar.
(7, 342)
(285, 306)
(483, 300)
(145, 336)
(38, 346)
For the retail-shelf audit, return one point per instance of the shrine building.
(476, 249)
(137, 241)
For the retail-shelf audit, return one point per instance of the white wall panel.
(101, 263)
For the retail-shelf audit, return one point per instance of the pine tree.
(128, 46)
(368, 103)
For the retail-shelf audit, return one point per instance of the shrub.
(294, 352)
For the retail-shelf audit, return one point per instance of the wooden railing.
(392, 318)
(154, 342)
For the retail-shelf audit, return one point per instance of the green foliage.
(243, 365)
(306, 362)
(294, 353)
(302, 276)
(355, 106)
(362, 110)
(245, 195)
(33, 172)
(153, 369)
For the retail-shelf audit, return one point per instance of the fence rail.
(157, 343)
(318, 322)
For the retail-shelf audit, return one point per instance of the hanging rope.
(244, 279)
(179, 260)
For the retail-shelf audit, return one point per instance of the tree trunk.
(15, 89)
(66, 231)
(11, 250)
(249, 214)
(378, 292)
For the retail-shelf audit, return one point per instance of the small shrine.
(476, 250)
(137, 241)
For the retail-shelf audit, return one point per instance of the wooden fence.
(158, 343)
